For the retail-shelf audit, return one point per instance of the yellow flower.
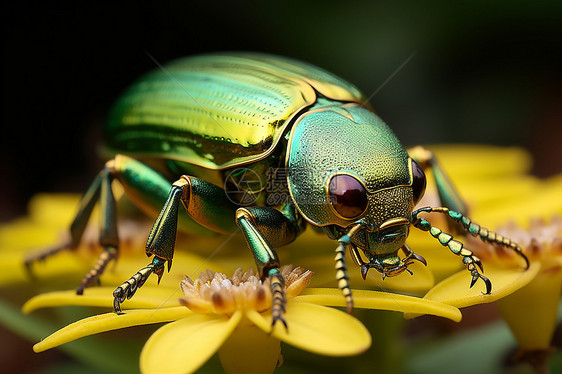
(48, 224)
(231, 316)
(528, 299)
(497, 192)
(506, 276)
(531, 312)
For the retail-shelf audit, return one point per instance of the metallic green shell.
(218, 111)
(353, 140)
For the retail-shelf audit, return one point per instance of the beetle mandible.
(214, 118)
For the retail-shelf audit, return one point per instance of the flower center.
(540, 240)
(216, 293)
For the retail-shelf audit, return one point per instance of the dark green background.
(481, 72)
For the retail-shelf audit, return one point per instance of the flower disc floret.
(216, 293)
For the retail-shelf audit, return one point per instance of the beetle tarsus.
(280, 318)
(341, 274)
(475, 276)
(42, 255)
(119, 298)
(473, 263)
(128, 288)
(476, 230)
(279, 303)
(93, 275)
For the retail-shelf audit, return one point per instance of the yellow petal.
(146, 297)
(381, 301)
(488, 193)
(183, 346)
(249, 350)
(317, 329)
(505, 280)
(474, 159)
(66, 265)
(545, 202)
(22, 235)
(531, 312)
(110, 321)
(54, 209)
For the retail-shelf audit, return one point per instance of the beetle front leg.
(204, 202)
(448, 194)
(468, 258)
(264, 228)
(478, 231)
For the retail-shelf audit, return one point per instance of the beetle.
(318, 154)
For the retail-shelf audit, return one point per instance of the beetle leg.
(448, 194)
(85, 207)
(263, 228)
(468, 258)
(128, 288)
(109, 238)
(204, 202)
(478, 231)
(341, 271)
(100, 190)
(341, 268)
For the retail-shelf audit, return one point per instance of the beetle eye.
(347, 196)
(418, 182)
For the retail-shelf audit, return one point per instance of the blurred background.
(479, 72)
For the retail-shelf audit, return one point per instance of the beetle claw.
(364, 270)
(475, 276)
(419, 258)
(279, 318)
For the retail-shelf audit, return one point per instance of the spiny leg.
(263, 228)
(468, 258)
(128, 288)
(100, 189)
(85, 208)
(344, 242)
(204, 202)
(109, 238)
(161, 242)
(279, 299)
(341, 272)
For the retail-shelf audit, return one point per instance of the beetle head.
(344, 167)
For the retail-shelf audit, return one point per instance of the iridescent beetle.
(202, 121)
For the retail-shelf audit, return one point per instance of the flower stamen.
(216, 293)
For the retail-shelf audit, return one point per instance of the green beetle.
(266, 145)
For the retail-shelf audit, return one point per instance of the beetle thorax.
(347, 140)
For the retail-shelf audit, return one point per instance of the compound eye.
(418, 182)
(347, 196)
